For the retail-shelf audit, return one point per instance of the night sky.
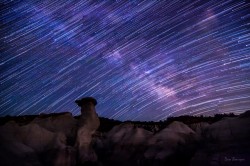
(141, 60)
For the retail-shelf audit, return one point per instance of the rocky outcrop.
(229, 130)
(199, 128)
(225, 142)
(16, 153)
(33, 136)
(127, 142)
(169, 141)
(245, 114)
(44, 141)
(28, 140)
(64, 123)
(87, 125)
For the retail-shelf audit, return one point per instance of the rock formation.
(199, 128)
(27, 142)
(87, 125)
(169, 140)
(225, 142)
(127, 142)
(47, 140)
(63, 123)
(44, 140)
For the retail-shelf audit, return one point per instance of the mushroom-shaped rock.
(89, 118)
(86, 100)
(87, 125)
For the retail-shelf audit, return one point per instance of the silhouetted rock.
(65, 157)
(225, 140)
(86, 100)
(199, 127)
(87, 125)
(63, 140)
(127, 142)
(30, 139)
(169, 141)
(245, 114)
(16, 153)
(229, 129)
(63, 123)
(32, 135)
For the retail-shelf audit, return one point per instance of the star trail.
(141, 60)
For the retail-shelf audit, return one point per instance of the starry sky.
(141, 60)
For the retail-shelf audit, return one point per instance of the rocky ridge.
(50, 139)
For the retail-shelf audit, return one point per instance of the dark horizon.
(183, 118)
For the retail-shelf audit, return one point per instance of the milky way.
(141, 60)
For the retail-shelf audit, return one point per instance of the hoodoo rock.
(87, 125)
